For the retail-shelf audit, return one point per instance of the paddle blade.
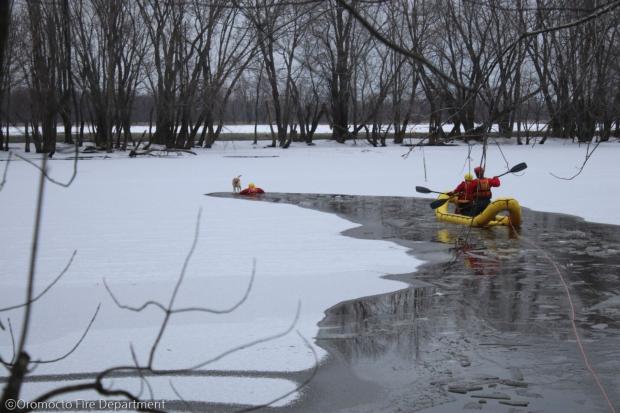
(423, 190)
(518, 167)
(438, 202)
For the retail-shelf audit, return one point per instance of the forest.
(76, 70)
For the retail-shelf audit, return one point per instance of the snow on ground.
(132, 222)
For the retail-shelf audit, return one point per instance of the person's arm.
(458, 189)
(494, 181)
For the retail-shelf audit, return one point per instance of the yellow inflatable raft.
(488, 217)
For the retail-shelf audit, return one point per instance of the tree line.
(369, 68)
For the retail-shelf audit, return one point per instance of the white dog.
(236, 183)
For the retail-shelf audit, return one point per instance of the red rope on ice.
(584, 355)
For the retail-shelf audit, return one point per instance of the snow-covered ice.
(132, 222)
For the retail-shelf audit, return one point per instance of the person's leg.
(481, 205)
(467, 209)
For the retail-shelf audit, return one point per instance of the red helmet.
(479, 171)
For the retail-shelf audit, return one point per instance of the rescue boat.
(488, 218)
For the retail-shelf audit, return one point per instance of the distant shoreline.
(245, 132)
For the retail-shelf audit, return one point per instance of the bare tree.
(7, 47)
(335, 34)
(101, 38)
(227, 51)
(467, 63)
(308, 93)
(411, 23)
(266, 16)
(5, 19)
(45, 75)
(167, 29)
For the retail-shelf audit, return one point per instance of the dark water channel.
(485, 322)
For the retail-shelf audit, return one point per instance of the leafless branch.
(164, 324)
(250, 343)
(185, 309)
(42, 293)
(580, 169)
(77, 344)
(398, 48)
(176, 392)
(112, 370)
(468, 158)
(143, 379)
(96, 386)
(502, 153)
(280, 397)
(44, 170)
(495, 6)
(598, 12)
(33, 258)
(296, 389)
(12, 341)
(6, 170)
(59, 391)
(8, 364)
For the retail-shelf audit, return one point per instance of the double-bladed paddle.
(517, 168)
(439, 202)
(425, 190)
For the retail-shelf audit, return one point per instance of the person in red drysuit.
(465, 193)
(482, 190)
(252, 190)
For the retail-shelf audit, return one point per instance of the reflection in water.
(502, 276)
(476, 259)
(480, 290)
(376, 325)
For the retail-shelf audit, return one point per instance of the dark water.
(487, 313)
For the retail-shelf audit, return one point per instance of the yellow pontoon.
(487, 218)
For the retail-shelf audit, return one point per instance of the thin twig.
(251, 343)
(398, 48)
(77, 344)
(185, 309)
(96, 386)
(299, 387)
(42, 293)
(6, 170)
(44, 171)
(12, 341)
(74, 388)
(424, 163)
(222, 355)
(315, 369)
(9, 364)
(164, 324)
(468, 159)
(502, 153)
(141, 373)
(33, 259)
(580, 169)
(176, 392)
